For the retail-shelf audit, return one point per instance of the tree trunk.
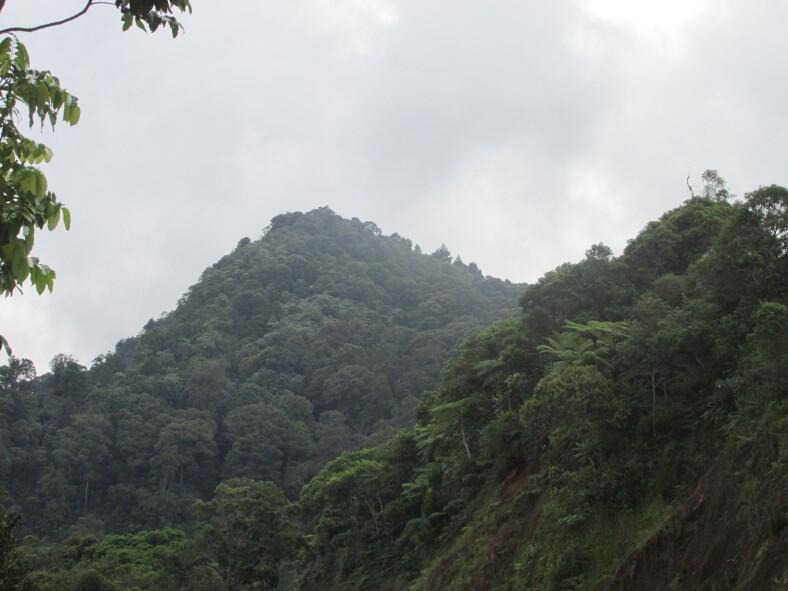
(382, 511)
(465, 441)
(285, 464)
(653, 403)
(372, 513)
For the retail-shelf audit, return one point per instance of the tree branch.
(692, 192)
(53, 23)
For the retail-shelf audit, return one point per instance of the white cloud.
(651, 19)
(357, 24)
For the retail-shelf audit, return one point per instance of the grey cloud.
(518, 133)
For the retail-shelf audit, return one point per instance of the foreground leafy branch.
(26, 203)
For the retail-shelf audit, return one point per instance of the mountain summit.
(317, 338)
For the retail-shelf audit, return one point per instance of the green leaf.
(53, 219)
(71, 110)
(24, 272)
(5, 56)
(5, 47)
(66, 217)
(29, 233)
(18, 264)
(39, 279)
(42, 93)
(41, 184)
(22, 58)
(76, 112)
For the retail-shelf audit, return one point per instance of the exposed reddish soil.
(729, 534)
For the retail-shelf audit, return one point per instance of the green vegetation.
(629, 429)
(12, 569)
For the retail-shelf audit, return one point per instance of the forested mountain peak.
(319, 252)
(316, 338)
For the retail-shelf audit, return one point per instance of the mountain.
(317, 338)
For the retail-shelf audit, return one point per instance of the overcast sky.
(516, 132)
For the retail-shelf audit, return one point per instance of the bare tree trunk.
(465, 441)
(653, 403)
(373, 513)
(382, 511)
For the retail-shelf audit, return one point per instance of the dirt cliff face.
(731, 533)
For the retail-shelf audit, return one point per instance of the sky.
(518, 133)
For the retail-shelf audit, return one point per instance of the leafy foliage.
(247, 533)
(26, 204)
(12, 570)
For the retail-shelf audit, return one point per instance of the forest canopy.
(283, 428)
(317, 338)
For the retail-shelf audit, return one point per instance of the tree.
(82, 448)
(142, 561)
(263, 442)
(12, 572)
(347, 497)
(185, 446)
(770, 204)
(571, 426)
(714, 186)
(599, 251)
(247, 533)
(26, 203)
(590, 343)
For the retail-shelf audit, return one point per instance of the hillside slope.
(629, 431)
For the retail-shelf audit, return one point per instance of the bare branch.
(53, 23)
(691, 190)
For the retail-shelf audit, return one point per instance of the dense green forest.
(626, 429)
(318, 338)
